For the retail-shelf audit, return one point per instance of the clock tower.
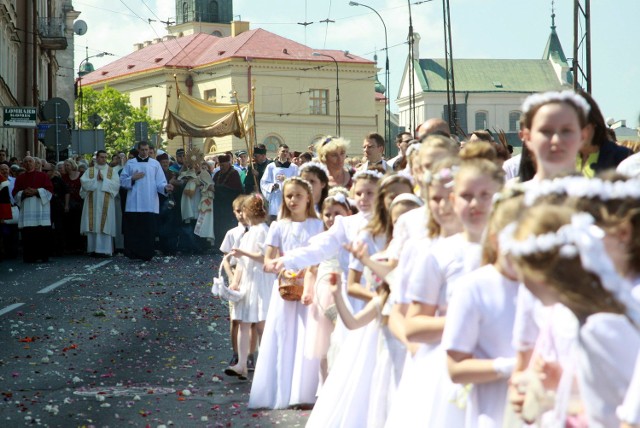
(203, 16)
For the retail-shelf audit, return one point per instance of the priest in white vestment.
(100, 185)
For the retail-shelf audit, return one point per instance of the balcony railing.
(52, 33)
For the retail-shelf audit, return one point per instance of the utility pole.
(582, 45)
(452, 108)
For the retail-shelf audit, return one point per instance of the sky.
(501, 29)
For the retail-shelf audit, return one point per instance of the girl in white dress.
(377, 234)
(284, 376)
(250, 277)
(477, 333)
(554, 126)
(330, 244)
(560, 257)
(615, 207)
(321, 316)
(433, 281)
(443, 222)
(357, 382)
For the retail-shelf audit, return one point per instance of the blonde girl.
(407, 406)
(355, 393)
(560, 258)
(414, 223)
(377, 234)
(250, 277)
(477, 343)
(554, 129)
(231, 240)
(329, 244)
(322, 315)
(614, 203)
(431, 282)
(284, 376)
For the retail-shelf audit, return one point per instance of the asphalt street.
(112, 342)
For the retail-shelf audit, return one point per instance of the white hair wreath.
(580, 238)
(582, 187)
(539, 99)
(368, 172)
(312, 164)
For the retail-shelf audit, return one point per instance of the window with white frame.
(481, 120)
(209, 95)
(319, 101)
(514, 121)
(146, 104)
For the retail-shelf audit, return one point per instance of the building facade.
(36, 47)
(294, 85)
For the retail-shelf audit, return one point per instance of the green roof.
(490, 75)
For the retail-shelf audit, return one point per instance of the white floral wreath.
(319, 165)
(580, 238)
(369, 173)
(582, 187)
(536, 100)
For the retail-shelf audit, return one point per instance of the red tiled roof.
(201, 49)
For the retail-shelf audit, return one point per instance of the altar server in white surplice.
(144, 179)
(100, 185)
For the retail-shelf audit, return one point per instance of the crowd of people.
(140, 204)
(455, 285)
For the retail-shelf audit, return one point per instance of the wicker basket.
(291, 285)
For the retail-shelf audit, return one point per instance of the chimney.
(157, 40)
(239, 27)
(137, 46)
(169, 37)
(416, 46)
(146, 43)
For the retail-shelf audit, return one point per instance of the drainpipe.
(34, 83)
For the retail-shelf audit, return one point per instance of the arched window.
(272, 142)
(185, 12)
(213, 11)
(514, 121)
(481, 120)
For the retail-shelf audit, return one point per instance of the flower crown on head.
(298, 180)
(368, 173)
(536, 100)
(580, 238)
(443, 175)
(319, 165)
(408, 197)
(582, 187)
(339, 197)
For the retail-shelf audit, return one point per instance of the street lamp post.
(387, 111)
(81, 73)
(337, 91)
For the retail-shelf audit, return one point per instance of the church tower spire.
(553, 51)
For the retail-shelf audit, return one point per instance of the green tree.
(118, 117)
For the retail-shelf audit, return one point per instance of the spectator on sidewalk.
(33, 192)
